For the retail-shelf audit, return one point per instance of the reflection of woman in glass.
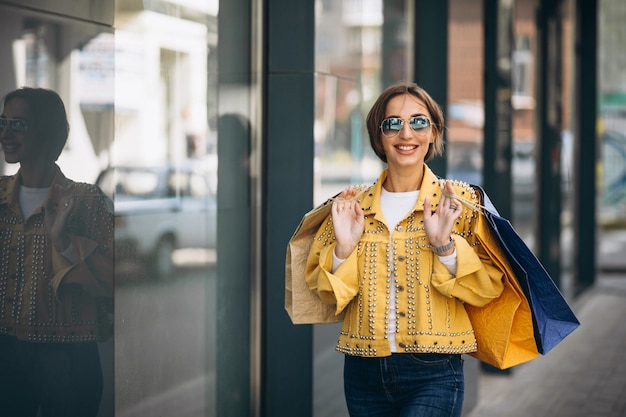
(56, 273)
(401, 258)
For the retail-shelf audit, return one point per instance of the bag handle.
(470, 204)
(359, 189)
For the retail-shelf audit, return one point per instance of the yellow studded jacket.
(43, 296)
(429, 300)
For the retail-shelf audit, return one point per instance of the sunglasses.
(16, 125)
(393, 125)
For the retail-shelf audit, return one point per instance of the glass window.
(465, 117)
(362, 46)
(522, 72)
(164, 185)
(611, 134)
(73, 58)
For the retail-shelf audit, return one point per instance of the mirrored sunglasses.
(16, 125)
(392, 125)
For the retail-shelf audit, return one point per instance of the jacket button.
(402, 345)
(401, 258)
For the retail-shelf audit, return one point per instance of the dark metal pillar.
(549, 115)
(586, 146)
(498, 17)
(288, 174)
(430, 65)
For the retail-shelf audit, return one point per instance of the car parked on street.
(159, 209)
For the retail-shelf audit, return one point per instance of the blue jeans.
(404, 385)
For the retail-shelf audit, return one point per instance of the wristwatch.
(443, 248)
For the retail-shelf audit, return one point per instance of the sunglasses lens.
(419, 123)
(391, 126)
(18, 126)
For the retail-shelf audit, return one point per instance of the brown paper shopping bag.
(302, 304)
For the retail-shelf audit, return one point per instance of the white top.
(31, 199)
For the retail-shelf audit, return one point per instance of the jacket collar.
(9, 191)
(370, 202)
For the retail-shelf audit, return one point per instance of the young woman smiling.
(401, 259)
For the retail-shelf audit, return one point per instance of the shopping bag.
(302, 304)
(503, 328)
(553, 318)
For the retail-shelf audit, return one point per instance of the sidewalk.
(585, 375)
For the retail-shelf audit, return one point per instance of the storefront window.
(611, 134)
(163, 178)
(75, 59)
(362, 46)
(466, 114)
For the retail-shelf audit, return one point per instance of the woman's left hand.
(57, 210)
(439, 224)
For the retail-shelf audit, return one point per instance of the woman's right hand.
(348, 222)
(58, 208)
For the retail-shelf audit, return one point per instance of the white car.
(160, 209)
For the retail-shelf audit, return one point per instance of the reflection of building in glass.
(79, 68)
(612, 112)
(161, 84)
(359, 49)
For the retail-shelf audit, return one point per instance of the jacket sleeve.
(92, 234)
(477, 280)
(338, 288)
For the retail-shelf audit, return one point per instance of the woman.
(56, 279)
(401, 258)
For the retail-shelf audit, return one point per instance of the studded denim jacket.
(43, 296)
(430, 316)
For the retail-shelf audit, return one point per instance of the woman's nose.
(406, 130)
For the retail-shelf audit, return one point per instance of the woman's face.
(18, 136)
(407, 147)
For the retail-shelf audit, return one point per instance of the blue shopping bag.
(553, 318)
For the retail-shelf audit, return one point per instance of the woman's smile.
(407, 147)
